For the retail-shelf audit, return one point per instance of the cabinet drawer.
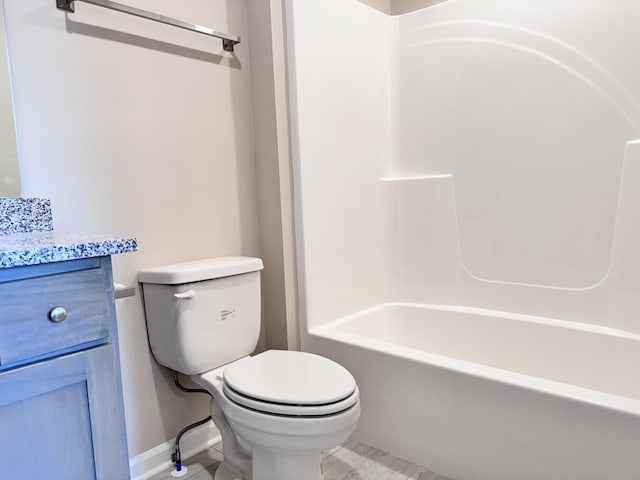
(26, 330)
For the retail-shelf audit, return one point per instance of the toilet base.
(268, 464)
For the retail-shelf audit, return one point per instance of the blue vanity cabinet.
(61, 412)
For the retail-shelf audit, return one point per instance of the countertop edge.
(49, 247)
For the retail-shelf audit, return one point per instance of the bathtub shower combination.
(468, 197)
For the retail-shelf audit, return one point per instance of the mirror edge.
(10, 184)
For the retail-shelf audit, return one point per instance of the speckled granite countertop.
(33, 248)
(23, 215)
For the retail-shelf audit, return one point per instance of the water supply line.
(175, 456)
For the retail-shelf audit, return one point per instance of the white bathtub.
(476, 394)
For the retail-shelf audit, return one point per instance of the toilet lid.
(290, 378)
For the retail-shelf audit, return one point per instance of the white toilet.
(276, 411)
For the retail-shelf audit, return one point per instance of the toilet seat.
(291, 410)
(290, 383)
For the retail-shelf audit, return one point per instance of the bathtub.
(483, 395)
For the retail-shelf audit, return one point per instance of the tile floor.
(351, 461)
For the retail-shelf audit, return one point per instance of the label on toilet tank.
(228, 314)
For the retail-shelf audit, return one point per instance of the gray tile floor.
(351, 461)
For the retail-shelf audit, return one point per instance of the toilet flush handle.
(187, 294)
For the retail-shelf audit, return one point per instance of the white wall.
(340, 65)
(285, 170)
(531, 117)
(134, 128)
(499, 155)
(271, 127)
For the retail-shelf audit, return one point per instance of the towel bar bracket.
(66, 5)
(227, 45)
(228, 40)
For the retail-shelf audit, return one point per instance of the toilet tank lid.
(199, 270)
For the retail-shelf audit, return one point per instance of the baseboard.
(158, 459)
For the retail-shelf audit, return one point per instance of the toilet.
(276, 411)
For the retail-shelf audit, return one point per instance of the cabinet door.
(60, 419)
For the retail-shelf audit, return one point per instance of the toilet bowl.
(280, 425)
(276, 411)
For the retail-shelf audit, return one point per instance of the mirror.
(9, 165)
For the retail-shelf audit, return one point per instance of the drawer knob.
(58, 314)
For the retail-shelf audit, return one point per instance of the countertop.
(21, 249)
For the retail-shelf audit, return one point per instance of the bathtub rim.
(596, 398)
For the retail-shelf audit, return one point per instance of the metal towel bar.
(228, 40)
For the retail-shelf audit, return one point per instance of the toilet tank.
(203, 314)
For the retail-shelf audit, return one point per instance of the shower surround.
(467, 188)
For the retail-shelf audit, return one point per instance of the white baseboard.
(158, 459)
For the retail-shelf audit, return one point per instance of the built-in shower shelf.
(417, 177)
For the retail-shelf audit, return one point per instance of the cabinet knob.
(58, 314)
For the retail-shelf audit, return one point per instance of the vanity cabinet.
(61, 411)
